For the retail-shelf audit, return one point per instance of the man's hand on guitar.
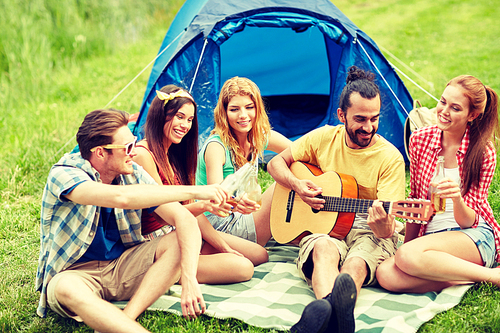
(308, 191)
(381, 223)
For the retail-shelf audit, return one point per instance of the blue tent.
(296, 51)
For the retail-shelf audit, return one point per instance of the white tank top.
(446, 220)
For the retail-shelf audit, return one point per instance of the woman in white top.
(460, 245)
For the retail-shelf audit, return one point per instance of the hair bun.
(356, 73)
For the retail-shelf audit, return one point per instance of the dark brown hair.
(180, 159)
(98, 128)
(359, 81)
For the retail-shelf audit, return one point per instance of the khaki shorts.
(358, 243)
(115, 280)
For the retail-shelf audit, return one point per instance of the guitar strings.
(349, 205)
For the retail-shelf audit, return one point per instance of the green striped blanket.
(276, 296)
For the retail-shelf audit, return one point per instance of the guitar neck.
(350, 205)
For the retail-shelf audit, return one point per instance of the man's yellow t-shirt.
(379, 170)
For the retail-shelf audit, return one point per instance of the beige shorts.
(358, 243)
(115, 280)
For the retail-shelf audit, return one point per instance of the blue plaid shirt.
(67, 228)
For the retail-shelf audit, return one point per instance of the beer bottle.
(253, 189)
(438, 202)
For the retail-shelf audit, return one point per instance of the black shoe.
(332, 324)
(315, 318)
(343, 300)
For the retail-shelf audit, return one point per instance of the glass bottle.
(235, 184)
(253, 189)
(438, 202)
(243, 181)
(230, 183)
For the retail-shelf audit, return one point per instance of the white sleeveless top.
(446, 220)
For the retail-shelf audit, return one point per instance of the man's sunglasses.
(129, 147)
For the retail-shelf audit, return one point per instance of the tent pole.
(373, 64)
(390, 86)
(198, 65)
(430, 84)
(406, 76)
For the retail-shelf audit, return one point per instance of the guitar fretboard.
(349, 205)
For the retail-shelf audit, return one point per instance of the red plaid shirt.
(425, 145)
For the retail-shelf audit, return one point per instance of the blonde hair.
(258, 135)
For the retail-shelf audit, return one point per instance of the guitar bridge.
(289, 206)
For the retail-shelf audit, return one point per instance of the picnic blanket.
(276, 296)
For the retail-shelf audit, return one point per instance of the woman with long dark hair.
(168, 153)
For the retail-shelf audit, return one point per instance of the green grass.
(61, 59)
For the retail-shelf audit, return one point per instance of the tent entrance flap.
(279, 60)
(291, 69)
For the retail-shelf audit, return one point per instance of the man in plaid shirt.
(92, 250)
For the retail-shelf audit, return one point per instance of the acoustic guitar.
(292, 218)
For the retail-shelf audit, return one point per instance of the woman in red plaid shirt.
(462, 244)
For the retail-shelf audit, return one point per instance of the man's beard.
(354, 136)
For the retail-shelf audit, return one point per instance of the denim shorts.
(484, 239)
(236, 224)
(485, 242)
